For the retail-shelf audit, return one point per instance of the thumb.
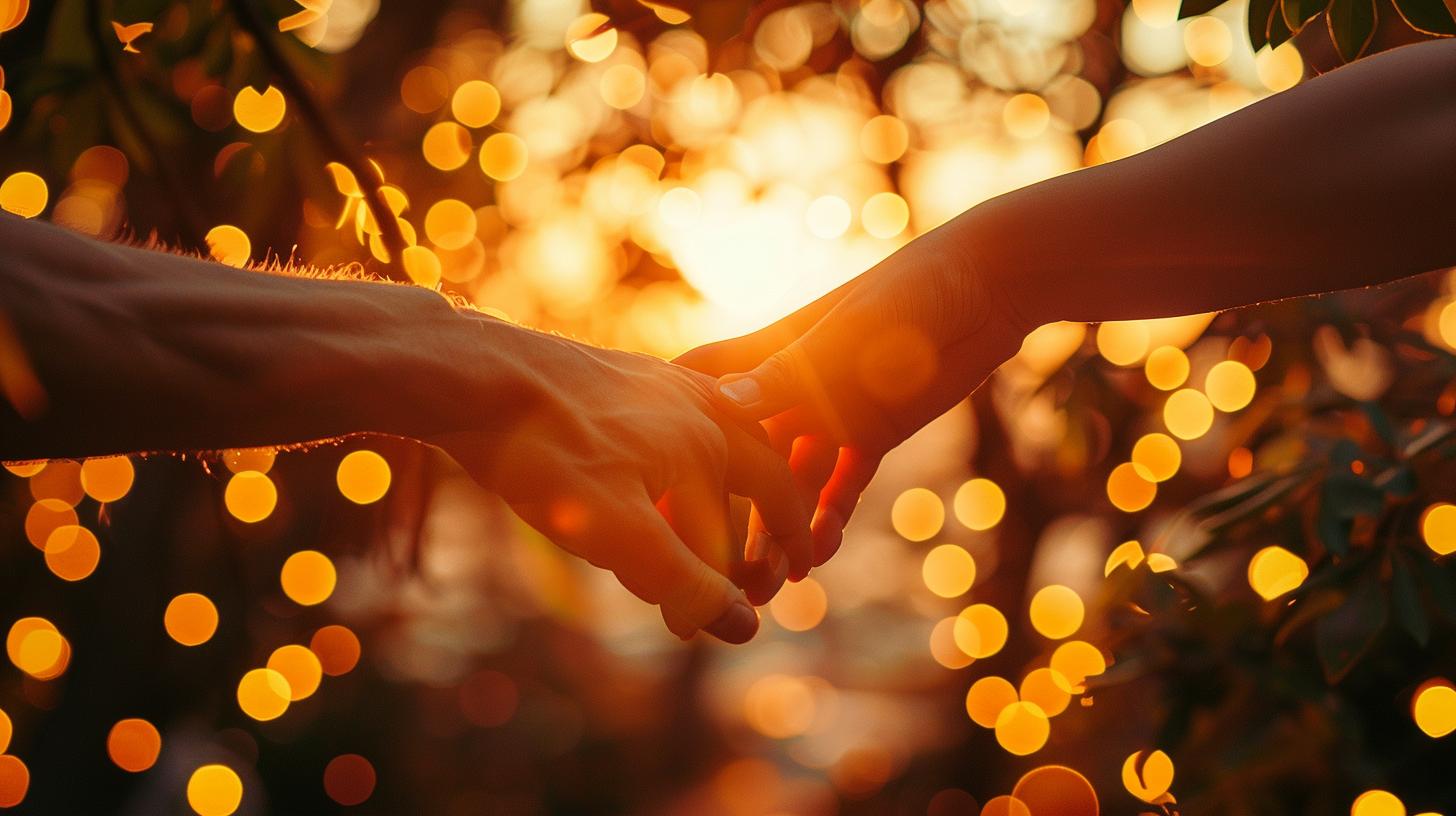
(784, 380)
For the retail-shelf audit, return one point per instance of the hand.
(623, 460)
(845, 379)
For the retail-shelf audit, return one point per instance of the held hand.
(623, 460)
(852, 375)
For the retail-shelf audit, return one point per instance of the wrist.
(454, 370)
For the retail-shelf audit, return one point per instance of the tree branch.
(326, 131)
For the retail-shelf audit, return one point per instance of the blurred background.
(1178, 566)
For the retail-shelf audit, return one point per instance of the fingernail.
(759, 547)
(737, 625)
(743, 391)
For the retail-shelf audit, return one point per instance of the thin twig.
(184, 208)
(328, 133)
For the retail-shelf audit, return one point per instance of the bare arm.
(1347, 180)
(110, 349)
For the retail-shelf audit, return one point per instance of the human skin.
(618, 458)
(1344, 181)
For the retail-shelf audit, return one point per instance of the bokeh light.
(308, 577)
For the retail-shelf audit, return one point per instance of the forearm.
(1348, 180)
(135, 350)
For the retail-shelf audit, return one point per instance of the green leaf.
(1345, 635)
(1347, 496)
(1258, 22)
(1352, 26)
(1193, 8)
(1409, 609)
(1298, 12)
(1427, 16)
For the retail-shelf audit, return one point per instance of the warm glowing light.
(72, 552)
(1056, 612)
(363, 475)
(230, 245)
(917, 514)
(1208, 41)
(349, 779)
(250, 496)
(1078, 660)
(1056, 789)
(885, 215)
(450, 223)
(239, 460)
(800, 606)
(214, 790)
(422, 265)
(779, 706)
(1166, 368)
(12, 14)
(987, 698)
(25, 470)
(308, 577)
(446, 146)
(259, 112)
(1434, 708)
(45, 517)
(190, 619)
(1129, 488)
(1281, 68)
(943, 647)
(133, 744)
(1048, 689)
(979, 504)
(884, 139)
(1157, 456)
(424, 89)
(1229, 385)
(622, 86)
(263, 694)
(1156, 775)
(1377, 803)
(948, 571)
(1022, 728)
(24, 194)
(337, 649)
(980, 630)
(587, 42)
(7, 730)
(1005, 805)
(14, 781)
(34, 646)
(1123, 342)
(1026, 116)
(61, 479)
(1438, 528)
(1128, 552)
(475, 104)
(1274, 571)
(1188, 414)
(300, 667)
(503, 156)
(108, 479)
(828, 217)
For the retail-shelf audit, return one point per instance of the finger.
(812, 462)
(746, 352)
(628, 536)
(852, 474)
(766, 567)
(757, 473)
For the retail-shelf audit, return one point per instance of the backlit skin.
(1341, 182)
(619, 458)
